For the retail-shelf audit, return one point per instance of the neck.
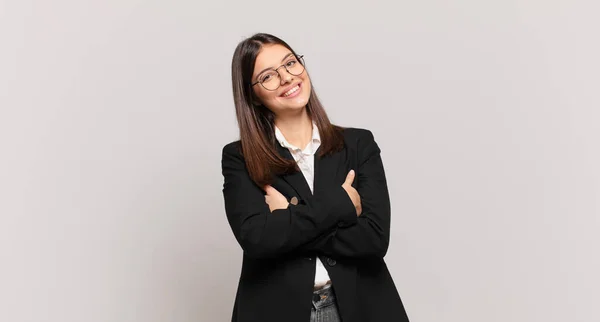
(297, 129)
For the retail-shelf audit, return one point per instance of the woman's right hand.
(347, 185)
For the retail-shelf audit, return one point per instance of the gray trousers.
(325, 307)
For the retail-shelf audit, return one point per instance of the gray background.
(113, 116)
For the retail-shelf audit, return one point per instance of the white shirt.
(306, 161)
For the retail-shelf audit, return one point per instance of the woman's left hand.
(275, 199)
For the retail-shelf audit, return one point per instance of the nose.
(285, 76)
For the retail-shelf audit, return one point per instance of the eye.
(265, 78)
(291, 63)
(268, 76)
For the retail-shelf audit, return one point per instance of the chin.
(298, 102)
(297, 105)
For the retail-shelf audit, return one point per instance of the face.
(294, 90)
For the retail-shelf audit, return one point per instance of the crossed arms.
(326, 224)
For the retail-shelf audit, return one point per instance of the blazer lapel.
(296, 179)
(330, 170)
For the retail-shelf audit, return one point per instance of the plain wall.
(113, 115)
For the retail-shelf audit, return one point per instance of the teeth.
(291, 91)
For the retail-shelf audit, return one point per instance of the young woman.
(306, 200)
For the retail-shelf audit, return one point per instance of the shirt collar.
(316, 138)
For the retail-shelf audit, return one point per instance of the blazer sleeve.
(265, 234)
(370, 235)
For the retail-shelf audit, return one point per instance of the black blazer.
(278, 271)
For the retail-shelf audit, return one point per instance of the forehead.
(270, 56)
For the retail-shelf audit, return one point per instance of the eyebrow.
(286, 56)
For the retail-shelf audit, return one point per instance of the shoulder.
(232, 147)
(232, 152)
(358, 137)
(360, 140)
(355, 133)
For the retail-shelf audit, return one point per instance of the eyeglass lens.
(270, 80)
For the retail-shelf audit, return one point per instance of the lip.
(290, 87)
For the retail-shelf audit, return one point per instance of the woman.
(306, 200)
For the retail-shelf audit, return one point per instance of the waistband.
(324, 297)
(318, 287)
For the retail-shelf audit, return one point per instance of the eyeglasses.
(271, 79)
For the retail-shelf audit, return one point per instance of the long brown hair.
(256, 122)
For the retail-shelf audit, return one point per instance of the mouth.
(292, 92)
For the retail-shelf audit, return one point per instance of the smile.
(292, 92)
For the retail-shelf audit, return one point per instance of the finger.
(274, 191)
(268, 189)
(349, 177)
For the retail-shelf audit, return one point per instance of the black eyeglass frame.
(300, 60)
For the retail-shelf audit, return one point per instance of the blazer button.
(331, 261)
(308, 258)
(294, 201)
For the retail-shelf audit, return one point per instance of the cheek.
(263, 95)
(307, 88)
(306, 81)
(270, 97)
